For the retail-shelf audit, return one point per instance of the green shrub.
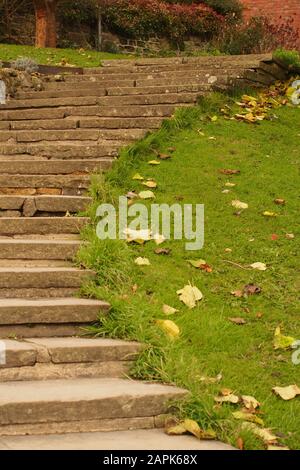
(290, 59)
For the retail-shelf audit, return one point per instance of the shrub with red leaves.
(146, 18)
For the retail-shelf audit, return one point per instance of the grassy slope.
(268, 157)
(47, 56)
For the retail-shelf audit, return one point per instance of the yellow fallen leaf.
(259, 266)
(250, 402)
(192, 427)
(211, 380)
(176, 430)
(190, 295)
(264, 433)
(168, 310)
(230, 185)
(231, 398)
(270, 214)
(239, 205)
(146, 195)
(281, 341)
(150, 184)
(270, 447)
(138, 177)
(142, 261)
(169, 327)
(214, 118)
(197, 262)
(287, 393)
(245, 416)
(154, 162)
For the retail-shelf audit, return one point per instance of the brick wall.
(274, 9)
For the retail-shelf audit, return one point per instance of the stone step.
(249, 59)
(57, 358)
(43, 277)
(28, 165)
(45, 181)
(48, 317)
(132, 439)
(62, 150)
(77, 123)
(189, 68)
(25, 406)
(28, 249)
(86, 84)
(70, 135)
(41, 225)
(34, 205)
(33, 293)
(99, 111)
(176, 75)
(164, 98)
(119, 90)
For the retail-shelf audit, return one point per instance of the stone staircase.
(53, 380)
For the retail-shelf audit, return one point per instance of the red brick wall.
(274, 9)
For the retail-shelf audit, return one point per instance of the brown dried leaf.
(237, 320)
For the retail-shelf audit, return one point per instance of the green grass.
(47, 56)
(267, 156)
(290, 59)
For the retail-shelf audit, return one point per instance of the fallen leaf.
(189, 295)
(171, 149)
(246, 416)
(274, 236)
(289, 236)
(159, 239)
(250, 402)
(134, 288)
(162, 251)
(154, 162)
(259, 315)
(131, 195)
(259, 266)
(176, 430)
(270, 447)
(200, 264)
(167, 310)
(169, 327)
(227, 399)
(225, 391)
(146, 195)
(142, 261)
(138, 236)
(230, 185)
(237, 320)
(229, 172)
(240, 443)
(164, 156)
(211, 380)
(279, 202)
(228, 250)
(264, 433)
(287, 393)
(237, 293)
(281, 341)
(225, 191)
(252, 289)
(239, 205)
(138, 177)
(192, 427)
(150, 184)
(270, 214)
(213, 118)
